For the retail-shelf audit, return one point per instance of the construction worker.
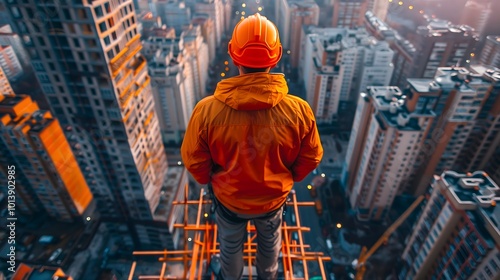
(250, 141)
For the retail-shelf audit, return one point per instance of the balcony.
(131, 48)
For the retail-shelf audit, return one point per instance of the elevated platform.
(200, 245)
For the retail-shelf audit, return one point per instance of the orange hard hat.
(255, 43)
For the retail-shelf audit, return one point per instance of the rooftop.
(456, 77)
(391, 105)
(438, 27)
(494, 39)
(478, 195)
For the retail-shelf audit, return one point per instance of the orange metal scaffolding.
(200, 244)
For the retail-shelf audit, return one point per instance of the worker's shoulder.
(297, 102)
(206, 102)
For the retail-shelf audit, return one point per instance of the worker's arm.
(194, 151)
(310, 154)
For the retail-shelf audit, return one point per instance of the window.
(76, 42)
(86, 29)
(71, 28)
(110, 54)
(67, 14)
(102, 26)
(81, 14)
(91, 43)
(98, 11)
(107, 7)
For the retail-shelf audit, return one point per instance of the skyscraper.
(10, 63)
(349, 13)
(5, 88)
(490, 55)
(438, 44)
(292, 15)
(173, 13)
(476, 14)
(207, 31)
(461, 102)
(197, 55)
(379, 8)
(50, 179)
(86, 55)
(335, 63)
(482, 147)
(173, 91)
(215, 10)
(8, 37)
(457, 234)
(384, 144)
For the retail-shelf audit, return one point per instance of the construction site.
(200, 246)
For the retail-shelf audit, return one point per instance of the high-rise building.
(50, 177)
(441, 44)
(461, 102)
(86, 56)
(173, 13)
(379, 8)
(376, 66)
(490, 55)
(335, 63)
(9, 38)
(349, 13)
(402, 48)
(482, 148)
(215, 10)
(197, 55)
(9, 63)
(173, 91)
(476, 13)
(5, 88)
(207, 31)
(148, 22)
(458, 232)
(384, 144)
(438, 44)
(293, 14)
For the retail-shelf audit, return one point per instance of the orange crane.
(365, 254)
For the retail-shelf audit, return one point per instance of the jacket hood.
(254, 91)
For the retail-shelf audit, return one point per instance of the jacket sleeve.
(310, 154)
(194, 150)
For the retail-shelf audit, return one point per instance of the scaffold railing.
(200, 245)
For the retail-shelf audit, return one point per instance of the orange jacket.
(251, 140)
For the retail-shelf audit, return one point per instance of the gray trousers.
(232, 236)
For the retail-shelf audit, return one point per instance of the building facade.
(490, 55)
(457, 97)
(49, 174)
(349, 13)
(215, 10)
(197, 55)
(86, 56)
(379, 8)
(335, 63)
(174, 14)
(5, 88)
(9, 63)
(457, 234)
(207, 31)
(9, 38)
(441, 44)
(173, 91)
(292, 15)
(384, 145)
